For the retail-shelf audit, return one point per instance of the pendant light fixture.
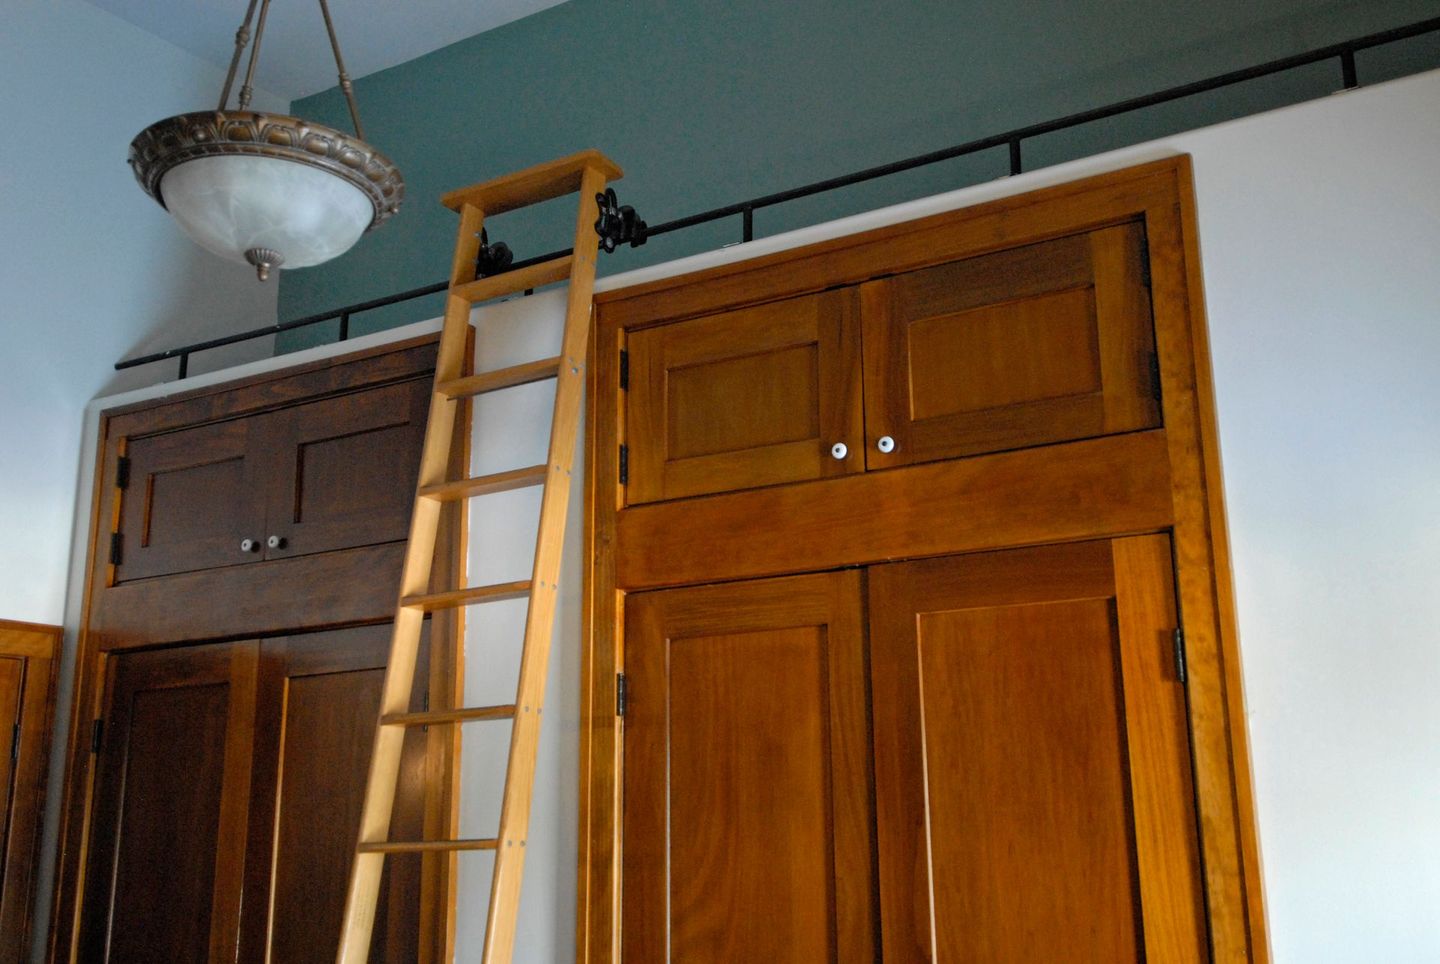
(267, 189)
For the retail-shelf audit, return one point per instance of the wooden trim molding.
(33, 651)
(1170, 478)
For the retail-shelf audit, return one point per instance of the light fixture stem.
(345, 84)
(242, 38)
(246, 90)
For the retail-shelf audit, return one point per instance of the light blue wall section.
(706, 103)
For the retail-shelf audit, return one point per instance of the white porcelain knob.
(839, 450)
(885, 444)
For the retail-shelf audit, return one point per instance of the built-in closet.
(910, 632)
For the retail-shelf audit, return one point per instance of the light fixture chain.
(345, 84)
(242, 38)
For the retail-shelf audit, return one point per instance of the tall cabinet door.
(1033, 786)
(747, 789)
(172, 790)
(319, 699)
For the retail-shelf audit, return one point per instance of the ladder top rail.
(534, 184)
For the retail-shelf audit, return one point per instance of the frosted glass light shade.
(232, 204)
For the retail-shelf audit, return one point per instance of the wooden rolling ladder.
(586, 173)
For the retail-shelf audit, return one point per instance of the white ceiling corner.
(295, 59)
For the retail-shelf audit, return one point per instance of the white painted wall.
(1320, 230)
(91, 269)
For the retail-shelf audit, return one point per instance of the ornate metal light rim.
(218, 133)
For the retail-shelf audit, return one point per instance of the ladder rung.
(501, 378)
(463, 715)
(532, 185)
(427, 846)
(485, 484)
(510, 282)
(474, 594)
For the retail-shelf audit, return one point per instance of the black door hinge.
(1181, 672)
(122, 472)
(117, 547)
(624, 370)
(624, 464)
(1155, 375)
(15, 745)
(620, 694)
(97, 734)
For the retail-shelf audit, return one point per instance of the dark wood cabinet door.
(319, 696)
(1033, 785)
(747, 775)
(341, 472)
(1043, 343)
(191, 500)
(745, 398)
(171, 795)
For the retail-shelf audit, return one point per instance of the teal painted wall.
(704, 103)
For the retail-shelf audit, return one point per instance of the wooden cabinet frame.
(1163, 480)
(326, 590)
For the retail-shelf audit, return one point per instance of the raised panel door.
(190, 501)
(172, 789)
(1043, 343)
(745, 398)
(747, 775)
(341, 471)
(319, 696)
(1033, 787)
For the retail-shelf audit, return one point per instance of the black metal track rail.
(1344, 52)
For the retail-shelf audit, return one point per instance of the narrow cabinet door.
(172, 788)
(1043, 343)
(319, 698)
(1033, 783)
(745, 398)
(747, 775)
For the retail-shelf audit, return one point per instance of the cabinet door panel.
(1045, 343)
(343, 469)
(747, 789)
(172, 787)
(745, 398)
(190, 501)
(319, 697)
(1032, 767)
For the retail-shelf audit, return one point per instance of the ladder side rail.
(540, 617)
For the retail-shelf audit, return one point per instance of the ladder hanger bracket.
(492, 259)
(618, 224)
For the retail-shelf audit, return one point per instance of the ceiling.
(295, 59)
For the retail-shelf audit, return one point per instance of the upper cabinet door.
(190, 501)
(342, 470)
(745, 398)
(1032, 764)
(1043, 343)
(747, 775)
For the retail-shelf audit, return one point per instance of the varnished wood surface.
(1060, 493)
(1160, 196)
(746, 398)
(28, 655)
(1031, 762)
(747, 792)
(1042, 343)
(542, 182)
(155, 897)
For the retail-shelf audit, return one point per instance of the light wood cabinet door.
(747, 775)
(1043, 343)
(172, 792)
(745, 398)
(1033, 785)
